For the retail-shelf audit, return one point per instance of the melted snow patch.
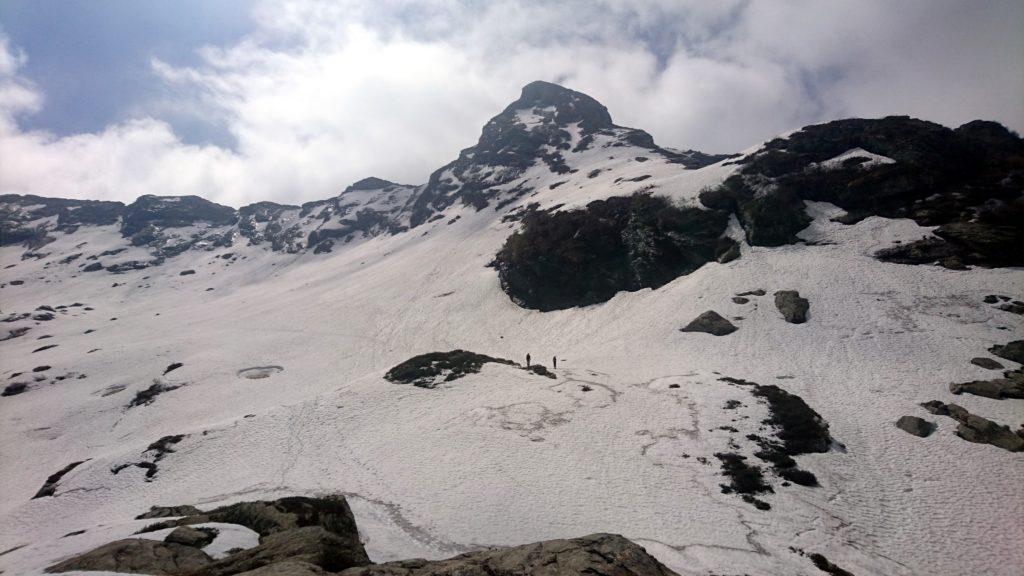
(258, 372)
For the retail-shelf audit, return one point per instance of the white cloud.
(321, 94)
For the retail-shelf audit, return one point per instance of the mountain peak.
(568, 105)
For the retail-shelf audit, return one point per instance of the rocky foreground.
(301, 536)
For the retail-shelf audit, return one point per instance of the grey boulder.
(793, 307)
(710, 322)
(914, 425)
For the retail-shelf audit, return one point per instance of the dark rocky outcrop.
(792, 306)
(596, 554)
(710, 322)
(431, 369)
(916, 426)
(139, 556)
(583, 257)
(966, 181)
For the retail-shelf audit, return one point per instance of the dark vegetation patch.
(798, 428)
(173, 367)
(47, 347)
(148, 396)
(583, 257)
(50, 486)
(744, 479)
(429, 370)
(965, 181)
(156, 452)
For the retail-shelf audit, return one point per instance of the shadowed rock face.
(596, 554)
(583, 257)
(967, 181)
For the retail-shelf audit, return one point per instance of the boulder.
(1013, 351)
(138, 556)
(607, 554)
(986, 363)
(997, 389)
(189, 536)
(984, 431)
(710, 322)
(793, 307)
(914, 425)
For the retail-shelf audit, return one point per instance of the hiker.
(554, 362)
(527, 359)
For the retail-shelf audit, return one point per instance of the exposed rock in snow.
(710, 322)
(792, 306)
(914, 425)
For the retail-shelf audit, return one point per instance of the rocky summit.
(570, 350)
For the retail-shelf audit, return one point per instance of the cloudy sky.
(243, 100)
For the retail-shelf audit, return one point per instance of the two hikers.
(554, 361)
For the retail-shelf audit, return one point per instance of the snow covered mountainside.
(810, 350)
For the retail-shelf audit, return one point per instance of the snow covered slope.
(281, 351)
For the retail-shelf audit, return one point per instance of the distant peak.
(370, 183)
